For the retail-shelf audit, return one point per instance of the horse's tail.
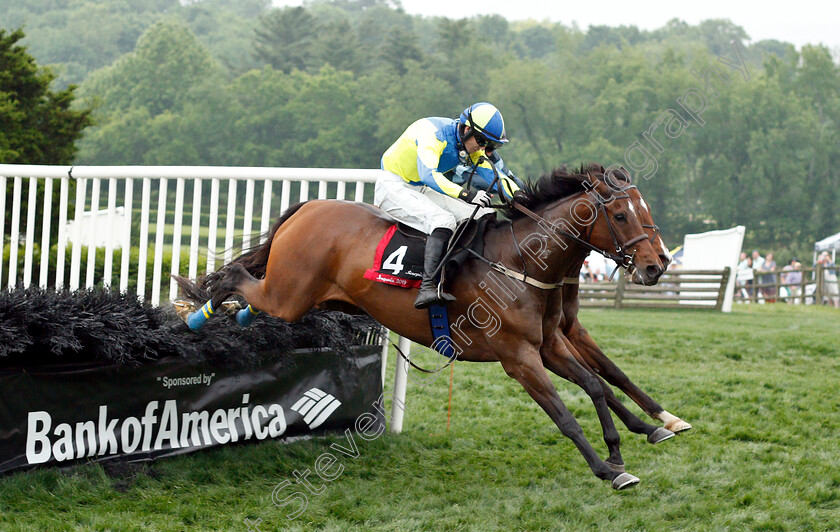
(253, 259)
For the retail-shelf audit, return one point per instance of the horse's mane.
(560, 183)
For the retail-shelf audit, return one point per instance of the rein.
(418, 368)
(620, 257)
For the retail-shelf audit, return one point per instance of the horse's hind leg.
(197, 319)
(235, 277)
(528, 370)
(631, 421)
(607, 369)
(273, 296)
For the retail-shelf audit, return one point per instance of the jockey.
(418, 191)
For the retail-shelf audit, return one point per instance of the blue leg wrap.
(197, 319)
(246, 316)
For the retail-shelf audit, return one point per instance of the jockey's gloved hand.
(482, 198)
(476, 197)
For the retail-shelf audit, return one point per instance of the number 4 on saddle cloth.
(399, 262)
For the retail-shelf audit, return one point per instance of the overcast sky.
(795, 21)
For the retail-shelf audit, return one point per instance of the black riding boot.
(435, 248)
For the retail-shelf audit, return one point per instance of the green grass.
(759, 385)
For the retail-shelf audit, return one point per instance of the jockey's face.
(471, 145)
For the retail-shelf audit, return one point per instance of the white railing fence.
(122, 208)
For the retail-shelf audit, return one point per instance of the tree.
(158, 74)
(285, 39)
(343, 78)
(819, 82)
(718, 34)
(81, 36)
(37, 125)
(339, 47)
(168, 71)
(401, 47)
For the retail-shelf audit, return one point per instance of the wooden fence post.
(818, 293)
(619, 289)
(754, 294)
(802, 283)
(724, 281)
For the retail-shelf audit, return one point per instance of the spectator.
(768, 265)
(586, 275)
(757, 260)
(744, 277)
(829, 275)
(792, 279)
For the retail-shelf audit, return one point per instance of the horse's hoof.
(659, 435)
(624, 481)
(618, 468)
(678, 426)
(183, 309)
(231, 307)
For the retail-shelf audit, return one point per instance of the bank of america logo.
(316, 406)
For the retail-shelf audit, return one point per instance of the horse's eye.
(621, 217)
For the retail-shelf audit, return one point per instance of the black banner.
(59, 414)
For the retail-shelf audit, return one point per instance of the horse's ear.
(626, 174)
(591, 168)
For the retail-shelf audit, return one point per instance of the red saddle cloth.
(398, 260)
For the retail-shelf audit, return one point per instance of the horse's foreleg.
(631, 421)
(528, 370)
(560, 360)
(606, 368)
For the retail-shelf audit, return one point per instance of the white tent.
(831, 244)
(828, 244)
(714, 250)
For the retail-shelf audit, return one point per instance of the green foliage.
(141, 98)
(333, 83)
(158, 75)
(37, 125)
(80, 37)
(285, 39)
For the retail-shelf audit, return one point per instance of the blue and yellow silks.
(428, 149)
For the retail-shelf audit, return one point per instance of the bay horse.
(318, 251)
(587, 353)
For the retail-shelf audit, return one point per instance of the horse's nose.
(653, 271)
(665, 259)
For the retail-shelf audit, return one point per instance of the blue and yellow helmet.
(485, 119)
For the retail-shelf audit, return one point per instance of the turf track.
(759, 385)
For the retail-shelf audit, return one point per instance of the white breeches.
(421, 207)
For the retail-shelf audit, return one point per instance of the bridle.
(621, 250)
